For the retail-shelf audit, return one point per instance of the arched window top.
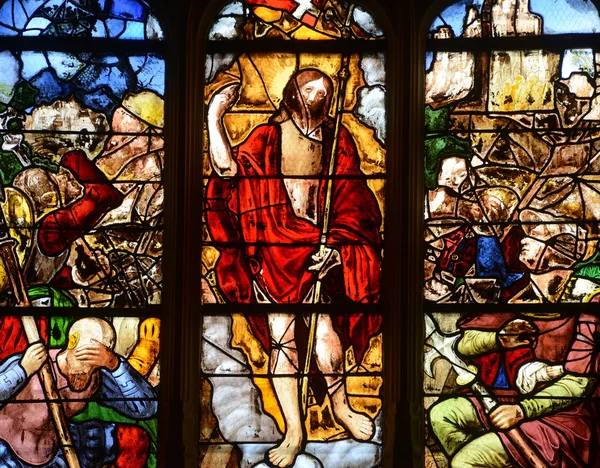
(294, 177)
(110, 19)
(516, 18)
(293, 19)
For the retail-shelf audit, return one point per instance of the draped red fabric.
(287, 5)
(133, 445)
(267, 243)
(12, 335)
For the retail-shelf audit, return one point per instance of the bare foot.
(285, 453)
(361, 427)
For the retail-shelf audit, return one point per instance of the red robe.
(263, 240)
(567, 438)
(12, 334)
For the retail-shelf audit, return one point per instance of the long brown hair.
(292, 101)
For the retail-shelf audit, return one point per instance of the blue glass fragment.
(559, 16)
(454, 16)
(491, 263)
(428, 60)
(4, 31)
(51, 87)
(101, 100)
(31, 5)
(128, 9)
(19, 16)
(150, 71)
(97, 75)
(130, 19)
(99, 29)
(37, 27)
(578, 61)
(567, 16)
(134, 30)
(115, 27)
(9, 75)
(33, 63)
(501, 380)
(65, 65)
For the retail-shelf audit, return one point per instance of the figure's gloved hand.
(95, 443)
(145, 354)
(325, 261)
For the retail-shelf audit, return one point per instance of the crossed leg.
(329, 355)
(464, 438)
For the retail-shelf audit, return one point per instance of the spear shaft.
(53, 400)
(343, 76)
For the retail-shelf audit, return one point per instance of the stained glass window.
(512, 223)
(122, 19)
(294, 201)
(81, 160)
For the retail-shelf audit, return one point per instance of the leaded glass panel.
(511, 236)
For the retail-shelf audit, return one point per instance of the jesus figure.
(266, 207)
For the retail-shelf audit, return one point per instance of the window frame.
(423, 16)
(193, 312)
(167, 311)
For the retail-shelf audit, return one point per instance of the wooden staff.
(343, 76)
(53, 401)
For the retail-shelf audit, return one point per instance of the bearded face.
(307, 98)
(314, 96)
(77, 373)
(70, 189)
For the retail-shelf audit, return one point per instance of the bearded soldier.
(87, 369)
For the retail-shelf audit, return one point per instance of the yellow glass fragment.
(240, 125)
(148, 106)
(18, 212)
(304, 33)
(145, 354)
(268, 15)
(210, 255)
(73, 340)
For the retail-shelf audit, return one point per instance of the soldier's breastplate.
(301, 157)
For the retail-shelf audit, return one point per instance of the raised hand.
(97, 355)
(34, 357)
(221, 157)
(222, 101)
